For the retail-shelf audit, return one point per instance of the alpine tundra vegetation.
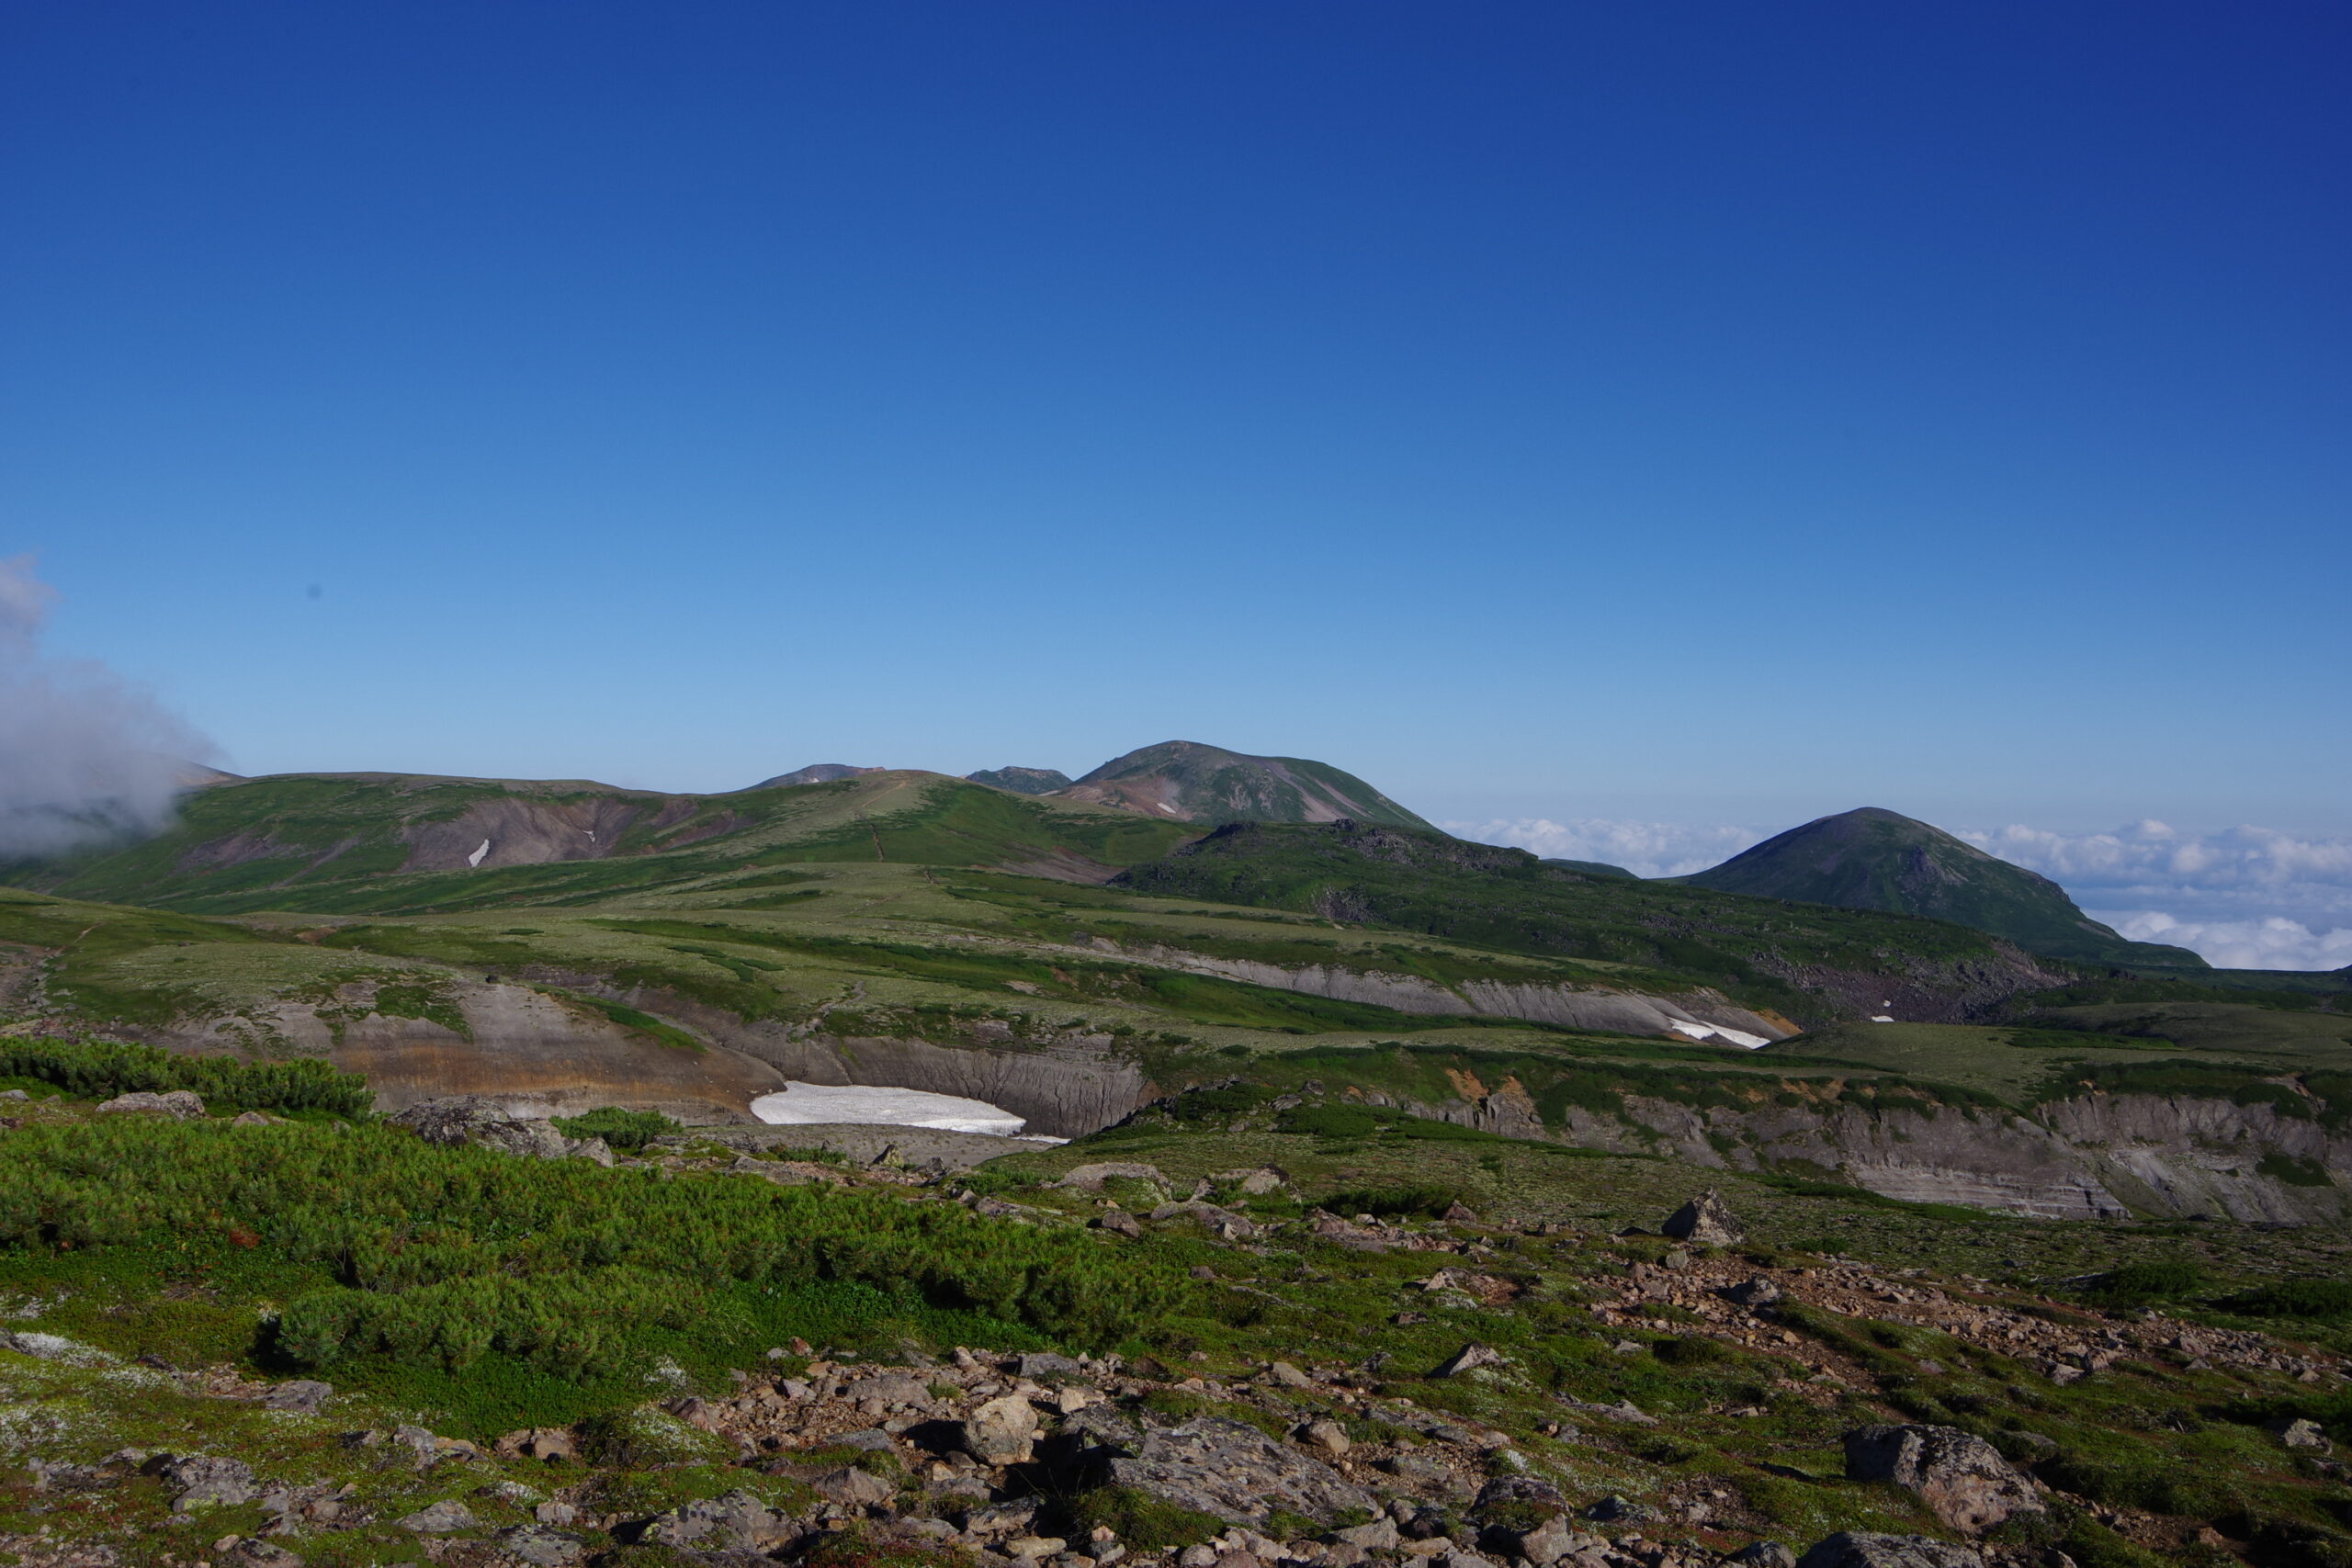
(379, 1183)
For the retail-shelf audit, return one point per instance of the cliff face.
(1692, 1015)
(2094, 1156)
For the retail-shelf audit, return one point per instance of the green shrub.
(95, 1069)
(621, 1129)
(1141, 1521)
(1418, 1199)
(1333, 1121)
(2327, 1299)
(2137, 1284)
(446, 1254)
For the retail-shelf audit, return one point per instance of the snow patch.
(475, 859)
(805, 1104)
(1738, 1037)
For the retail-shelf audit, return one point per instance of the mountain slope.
(386, 843)
(1023, 780)
(1812, 964)
(1186, 781)
(1873, 859)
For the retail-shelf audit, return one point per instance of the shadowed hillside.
(1873, 858)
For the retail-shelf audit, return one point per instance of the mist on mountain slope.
(83, 753)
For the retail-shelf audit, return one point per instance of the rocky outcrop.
(472, 1119)
(1216, 1466)
(180, 1104)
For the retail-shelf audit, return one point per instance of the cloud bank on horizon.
(2246, 898)
(84, 754)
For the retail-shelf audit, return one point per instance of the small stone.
(1757, 1293)
(1766, 1554)
(856, 1488)
(1118, 1222)
(439, 1518)
(1029, 1548)
(1289, 1376)
(555, 1513)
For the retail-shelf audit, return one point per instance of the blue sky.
(1686, 413)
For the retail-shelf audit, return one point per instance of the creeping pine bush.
(619, 1128)
(446, 1253)
(1422, 1199)
(100, 1070)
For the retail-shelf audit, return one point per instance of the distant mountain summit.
(816, 773)
(1873, 859)
(1186, 781)
(1023, 780)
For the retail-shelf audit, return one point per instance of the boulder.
(1326, 1435)
(304, 1396)
(1378, 1535)
(1038, 1365)
(254, 1552)
(1508, 1492)
(1001, 1432)
(1765, 1554)
(54, 1347)
(476, 1119)
(735, 1520)
(201, 1481)
(537, 1442)
(438, 1518)
(852, 1487)
(891, 1388)
(2299, 1434)
(1215, 1466)
(1961, 1477)
(1254, 1183)
(1705, 1221)
(1757, 1293)
(178, 1103)
(541, 1546)
(1120, 1223)
(1090, 1178)
(1866, 1548)
(1468, 1359)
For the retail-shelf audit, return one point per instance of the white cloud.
(1645, 848)
(82, 753)
(2246, 898)
(2273, 944)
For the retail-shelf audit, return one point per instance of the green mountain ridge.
(1875, 859)
(1186, 781)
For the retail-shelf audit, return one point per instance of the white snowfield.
(803, 1105)
(1718, 1031)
